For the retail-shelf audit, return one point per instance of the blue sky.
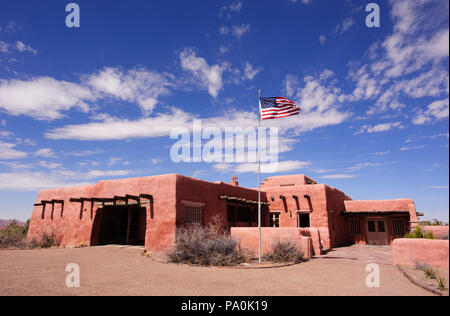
(78, 105)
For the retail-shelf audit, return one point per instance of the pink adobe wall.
(339, 230)
(438, 231)
(161, 216)
(385, 205)
(326, 206)
(194, 190)
(288, 208)
(249, 238)
(314, 234)
(409, 251)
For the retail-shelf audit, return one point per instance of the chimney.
(234, 181)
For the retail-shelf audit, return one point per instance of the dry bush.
(48, 240)
(206, 246)
(284, 251)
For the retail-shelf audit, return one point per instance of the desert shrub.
(441, 283)
(434, 222)
(205, 246)
(48, 240)
(284, 252)
(430, 273)
(14, 236)
(418, 233)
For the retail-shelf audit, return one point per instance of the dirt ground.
(420, 277)
(125, 271)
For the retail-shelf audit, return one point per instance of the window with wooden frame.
(355, 227)
(193, 212)
(274, 220)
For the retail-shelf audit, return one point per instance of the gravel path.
(123, 271)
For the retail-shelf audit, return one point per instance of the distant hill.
(6, 222)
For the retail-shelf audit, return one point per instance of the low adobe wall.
(249, 238)
(315, 239)
(439, 232)
(411, 251)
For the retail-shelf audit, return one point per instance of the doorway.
(377, 233)
(123, 225)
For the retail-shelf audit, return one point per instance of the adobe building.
(147, 211)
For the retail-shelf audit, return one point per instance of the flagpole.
(259, 176)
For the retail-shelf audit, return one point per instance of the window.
(381, 227)
(193, 214)
(231, 214)
(355, 227)
(243, 215)
(398, 226)
(371, 227)
(275, 220)
(304, 221)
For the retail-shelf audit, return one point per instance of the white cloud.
(8, 152)
(302, 1)
(438, 187)
(36, 181)
(379, 128)
(407, 148)
(437, 110)
(209, 77)
(18, 46)
(43, 97)
(119, 129)
(344, 26)
(319, 101)
(360, 166)
(4, 47)
(239, 30)
(250, 72)
(322, 39)
(33, 181)
(223, 30)
(83, 153)
(284, 166)
(46, 153)
(411, 62)
(138, 85)
(229, 10)
(93, 174)
(381, 153)
(50, 165)
(339, 176)
(21, 47)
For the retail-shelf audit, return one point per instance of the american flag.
(277, 107)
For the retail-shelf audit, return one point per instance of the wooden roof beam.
(146, 196)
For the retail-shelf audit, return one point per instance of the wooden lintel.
(132, 197)
(146, 196)
(72, 200)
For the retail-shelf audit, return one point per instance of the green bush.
(206, 246)
(418, 233)
(284, 252)
(442, 284)
(14, 236)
